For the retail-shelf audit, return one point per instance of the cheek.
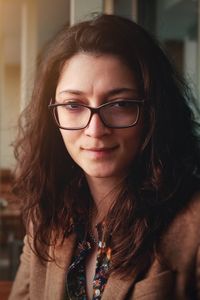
(69, 138)
(133, 137)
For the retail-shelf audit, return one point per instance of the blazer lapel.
(56, 271)
(117, 287)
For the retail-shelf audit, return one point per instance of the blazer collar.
(117, 287)
(56, 275)
(56, 271)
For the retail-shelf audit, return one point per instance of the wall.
(9, 107)
(21, 38)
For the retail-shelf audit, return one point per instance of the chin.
(99, 175)
(102, 173)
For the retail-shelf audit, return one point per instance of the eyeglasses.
(116, 114)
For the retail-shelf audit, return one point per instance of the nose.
(96, 128)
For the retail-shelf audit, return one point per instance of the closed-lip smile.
(99, 153)
(100, 149)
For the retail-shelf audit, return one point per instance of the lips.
(99, 152)
(99, 149)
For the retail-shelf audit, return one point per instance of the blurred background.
(25, 26)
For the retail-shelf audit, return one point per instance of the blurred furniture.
(5, 288)
(11, 228)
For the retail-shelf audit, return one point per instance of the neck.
(104, 192)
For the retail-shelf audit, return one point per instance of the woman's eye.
(73, 106)
(122, 104)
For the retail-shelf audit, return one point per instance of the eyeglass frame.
(95, 110)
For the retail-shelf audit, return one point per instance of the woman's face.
(94, 80)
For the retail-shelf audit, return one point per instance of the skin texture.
(103, 153)
(100, 151)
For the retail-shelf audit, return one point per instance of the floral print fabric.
(76, 278)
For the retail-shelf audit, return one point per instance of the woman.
(108, 169)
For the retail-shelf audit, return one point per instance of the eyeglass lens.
(116, 114)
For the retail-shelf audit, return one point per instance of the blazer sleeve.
(198, 274)
(20, 288)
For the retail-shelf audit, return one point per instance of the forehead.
(92, 71)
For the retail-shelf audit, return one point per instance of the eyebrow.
(110, 93)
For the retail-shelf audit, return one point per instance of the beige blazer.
(180, 280)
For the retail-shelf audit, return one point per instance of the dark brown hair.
(162, 179)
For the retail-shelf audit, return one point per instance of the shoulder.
(181, 242)
(187, 221)
(38, 279)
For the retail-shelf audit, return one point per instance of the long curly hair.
(164, 175)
